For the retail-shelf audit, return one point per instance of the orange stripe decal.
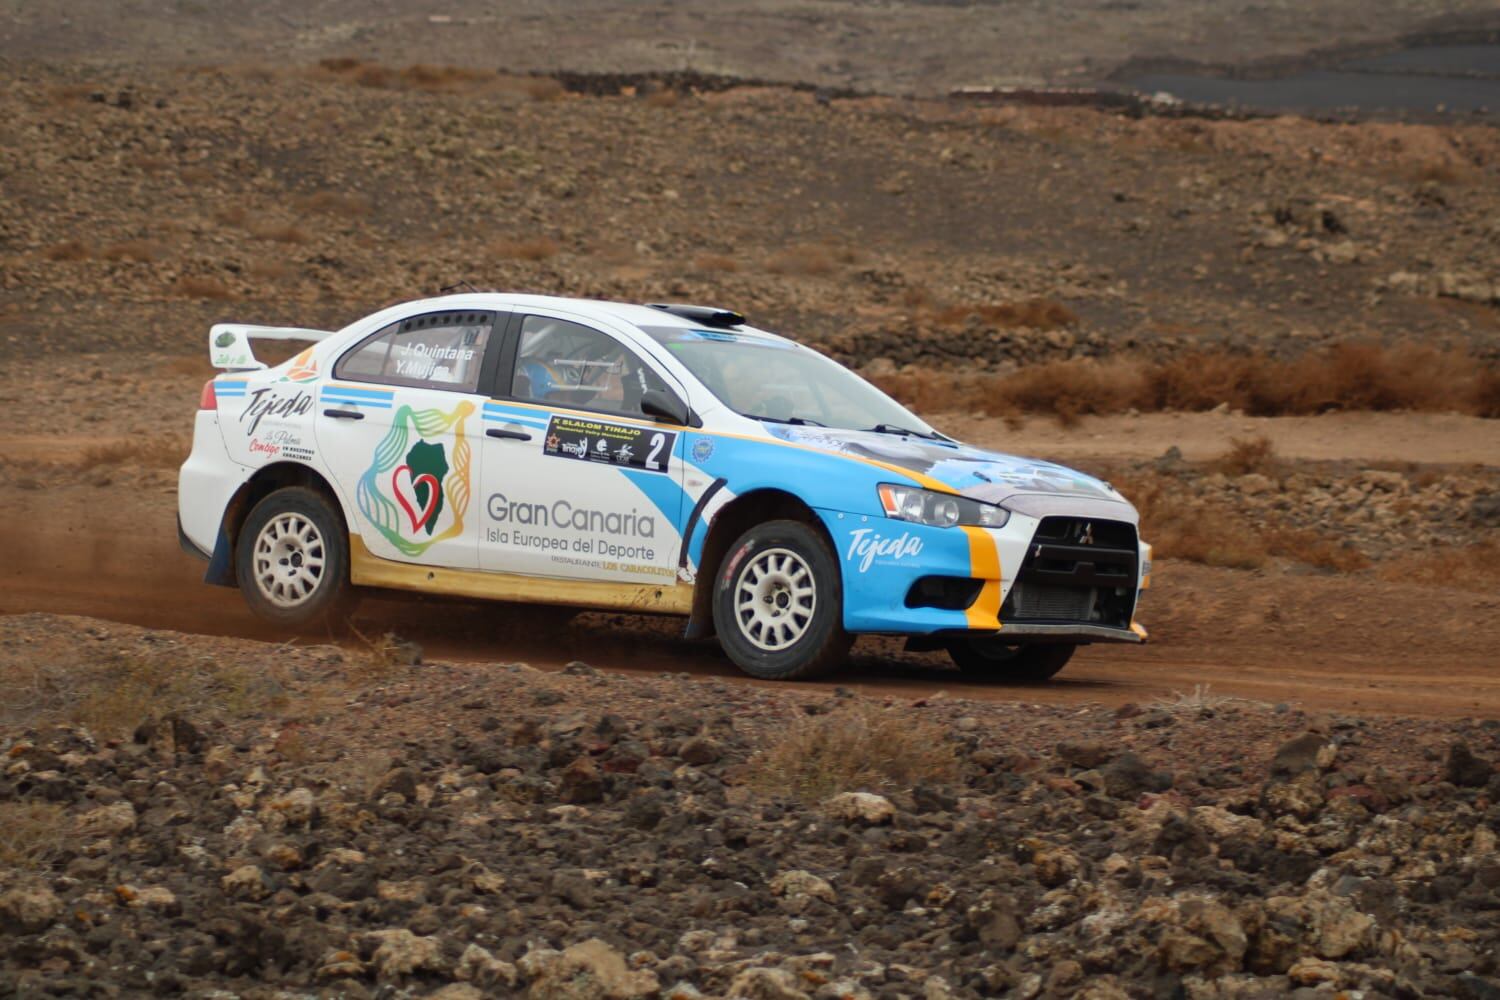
(984, 564)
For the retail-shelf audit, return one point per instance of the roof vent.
(706, 315)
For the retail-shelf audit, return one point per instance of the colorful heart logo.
(407, 505)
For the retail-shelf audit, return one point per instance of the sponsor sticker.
(865, 546)
(703, 449)
(622, 445)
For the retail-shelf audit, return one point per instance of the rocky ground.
(282, 821)
(141, 205)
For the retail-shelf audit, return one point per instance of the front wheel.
(987, 659)
(778, 603)
(292, 560)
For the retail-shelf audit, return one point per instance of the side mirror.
(661, 405)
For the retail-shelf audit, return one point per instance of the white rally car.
(667, 459)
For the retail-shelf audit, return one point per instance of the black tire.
(778, 641)
(989, 660)
(275, 580)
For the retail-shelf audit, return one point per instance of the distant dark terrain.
(906, 46)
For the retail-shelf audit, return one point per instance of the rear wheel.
(778, 603)
(989, 659)
(292, 560)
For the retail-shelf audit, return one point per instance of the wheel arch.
(265, 481)
(732, 521)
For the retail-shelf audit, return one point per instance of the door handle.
(501, 432)
(344, 414)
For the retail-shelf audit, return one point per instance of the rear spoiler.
(229, 343)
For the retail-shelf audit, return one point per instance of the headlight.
(940, 510)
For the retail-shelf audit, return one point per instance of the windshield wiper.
(905, 432)
(799, 421)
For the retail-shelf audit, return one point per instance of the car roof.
(629, 312)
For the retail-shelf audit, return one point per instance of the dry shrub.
(1070, 389)
(1350, 376)
(1035, 314)
(67, 250)
(194, 286)
(536, 248)
(34, 834)
(269, 270)
(195, 174)
(1248, 455)
(917, 297)
(1484, 394)
(71, 93)
(139, 251)
(232, 215)
(544, 88)
(340, 64)
(858, 748)
(812, 260)
(716, 263)
(1180, 525)
(1468, 567)
(376, 659)
(113, 692)
(443, 79)
(1312, 549)
(664, 98)
(152, 451)
(351, 206)
(279, 232)
(193, 364)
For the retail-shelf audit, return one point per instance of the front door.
(399, 424)
(578, 482)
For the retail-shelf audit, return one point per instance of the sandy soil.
(108, 549)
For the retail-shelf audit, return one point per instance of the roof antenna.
(465, 285)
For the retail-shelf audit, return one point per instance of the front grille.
(1042, 601)
(1076, 570)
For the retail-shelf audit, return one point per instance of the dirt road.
(1331, 643)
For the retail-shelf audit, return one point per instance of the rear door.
(397, 423)
(578, 482)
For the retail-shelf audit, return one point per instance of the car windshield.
(770, 379)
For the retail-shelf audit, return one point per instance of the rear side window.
(434, 351)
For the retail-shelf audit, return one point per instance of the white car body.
(454, 473)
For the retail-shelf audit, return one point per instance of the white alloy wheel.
(289, 560)
(774, 599)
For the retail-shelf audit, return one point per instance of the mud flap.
(221, 564)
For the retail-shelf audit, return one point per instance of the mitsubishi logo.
(1086, 537)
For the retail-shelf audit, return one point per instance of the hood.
(1028, 485)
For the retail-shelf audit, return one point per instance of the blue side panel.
(820, 478)
(662, 491)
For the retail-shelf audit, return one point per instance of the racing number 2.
(658, 442)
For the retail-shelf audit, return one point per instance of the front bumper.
(972, 573)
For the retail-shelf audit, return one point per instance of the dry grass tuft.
(664, 98)
(268, 270)
(376, 659)
(544, 88)
(157, 451)
(712, 263)
(193, 286)
(1248, 455)
(350, 206)
(1179, 525)
(67, 250)
(858, 748)
(537, 248)
(1035, 314)
(812, 260)
(279, 232)
(1468, 567)
(34, 834)
(1349, 376)
(1312, 549)
(138, 251)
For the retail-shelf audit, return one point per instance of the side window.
(433, 351)
(566, 364)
